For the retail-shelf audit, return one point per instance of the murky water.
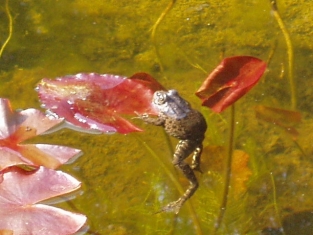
(126, 177)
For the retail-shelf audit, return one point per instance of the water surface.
(123, 182)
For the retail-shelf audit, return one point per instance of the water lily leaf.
(229, 81)
(17, 126)
(99, 101)
(26, 123)
(19, 193)
(147, 81)
(6, 232)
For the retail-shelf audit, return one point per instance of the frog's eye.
(159, 98)
(172, 92)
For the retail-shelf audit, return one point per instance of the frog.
(188, 125)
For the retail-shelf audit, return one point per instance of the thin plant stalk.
(194, 217)
(289, 52)
(7, 10)
(168, 143)
(275, 198)
(300, 148)
(189, 61)
(154, 29)
(229, 159)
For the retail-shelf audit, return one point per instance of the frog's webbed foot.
(173, 206)
(176, 205)
(183, 149)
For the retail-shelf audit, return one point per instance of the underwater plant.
(228, 82)
(154, 30)
(286, 119)
(290, 54)
(10, 18)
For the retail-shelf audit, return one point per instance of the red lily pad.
(99, 101)
(229, 81)
(147, 81)
(19, 193)
(17, 126)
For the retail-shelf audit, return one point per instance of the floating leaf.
(16, 127)
(6, 232)
(229, 81)
(98, 101)
(19, 193)
(147, 81)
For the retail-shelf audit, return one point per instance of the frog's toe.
(172, 207)
(141, 116)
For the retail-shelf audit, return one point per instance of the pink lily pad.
(16, 127)
(6, 232)
(19, 193)
(229, 81)
(99, 101)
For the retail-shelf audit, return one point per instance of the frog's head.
(171, 104)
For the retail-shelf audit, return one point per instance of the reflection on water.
(123, 184)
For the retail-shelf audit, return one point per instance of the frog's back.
(192, 127)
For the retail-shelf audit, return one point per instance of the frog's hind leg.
(195, 165)
(183, 149)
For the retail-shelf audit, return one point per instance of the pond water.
(127, 178)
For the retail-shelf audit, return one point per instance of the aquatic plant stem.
(229, 159)
(289, 52)
(169, 143)
(189, 61)
(193, 214)
(300, 148)
(154, 29)
(7, 10)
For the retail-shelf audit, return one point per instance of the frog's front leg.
(183, 149)
(157, 121)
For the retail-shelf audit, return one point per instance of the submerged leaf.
(229, 81)
(98, 101)
(240, 171)
(16, 127)
(19, 192)
(214, 162)
(283, 118)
